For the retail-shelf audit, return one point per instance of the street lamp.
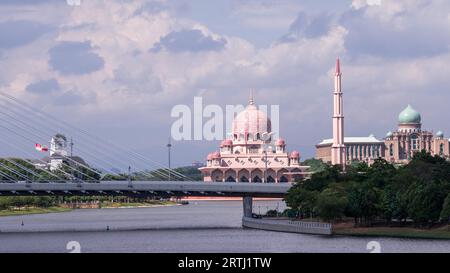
(169, 146)
(266, 138)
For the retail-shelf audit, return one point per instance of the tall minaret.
(338, 148)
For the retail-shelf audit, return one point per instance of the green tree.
(315, 165)
(445, 212)
(301, 200)
(364, 202)
(331, 203)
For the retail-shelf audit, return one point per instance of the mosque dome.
(389, 134)
(295, 154)
(280, 142)
(251, 121)
(409, 115)
(440, 134)
(215, 155)
(210, 156)
(226, 142)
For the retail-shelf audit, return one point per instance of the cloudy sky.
(117, 67)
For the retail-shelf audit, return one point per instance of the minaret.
(338, 147)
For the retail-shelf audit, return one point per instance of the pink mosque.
(250, 155)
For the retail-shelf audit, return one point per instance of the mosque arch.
(270, 179)
(271, 173)
(257, 175)
(282, 175)
(217, 175)
(243, 175)
(230, 179)
(256, 179)
(230, 176)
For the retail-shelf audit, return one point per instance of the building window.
(391, 149)
(441, 149)
(414, 142)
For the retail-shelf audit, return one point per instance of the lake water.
(201, 226)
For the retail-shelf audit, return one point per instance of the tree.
(445, 212)
(331, 203)
(321, 180)
(301, 200)
(315, 165)
(364, 202)
(425, 201)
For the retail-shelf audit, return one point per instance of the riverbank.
(442, 232)
(32, 210)
(66, 208)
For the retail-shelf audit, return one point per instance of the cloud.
(392, 54)
(397, 29)
(75, 58)
(192, 40)
(44, 87)
(18, 33)
(72, 98)
(309, 26)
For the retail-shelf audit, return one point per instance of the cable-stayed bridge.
(23, 126)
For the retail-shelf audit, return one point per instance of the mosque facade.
(251, 154)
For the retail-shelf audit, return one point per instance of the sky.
(116, 68)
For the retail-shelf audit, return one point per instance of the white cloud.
(390, 56)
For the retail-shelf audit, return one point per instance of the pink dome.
(215, 155)
(280, 142)
(226, 142)
(210, 156)
(251, 121)
(295, 154)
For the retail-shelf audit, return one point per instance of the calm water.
(203, 226)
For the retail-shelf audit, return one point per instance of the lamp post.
(169, 146)
(266, 137)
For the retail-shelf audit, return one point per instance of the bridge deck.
(147, 188)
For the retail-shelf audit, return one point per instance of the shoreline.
(59, 209)
(391, 232)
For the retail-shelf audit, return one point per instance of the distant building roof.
(369, 139)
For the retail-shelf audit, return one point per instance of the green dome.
(409, 115)
(440, 134)
(389, 134)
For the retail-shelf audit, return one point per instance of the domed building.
(397, 147)
(410, 138)
(251, 155)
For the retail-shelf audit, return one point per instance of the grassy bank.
(442, 232)
(31, 210)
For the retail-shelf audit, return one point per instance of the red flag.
(41, 148)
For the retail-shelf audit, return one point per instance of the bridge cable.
(102, 141)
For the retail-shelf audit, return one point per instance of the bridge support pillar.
(248, 206)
